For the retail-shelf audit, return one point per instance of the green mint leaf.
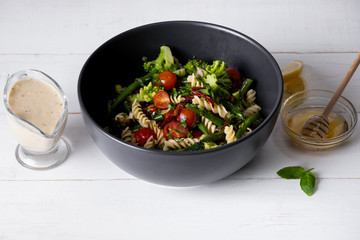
(307, 183)
(294, 172)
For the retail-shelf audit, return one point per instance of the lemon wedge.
(292, 70)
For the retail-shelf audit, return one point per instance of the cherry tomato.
(197, 133)
(161, 100)
(233, 73)
(143, 134)
(174, 130)
(166, 79)
(186, 115)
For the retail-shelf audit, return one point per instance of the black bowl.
(119, 60)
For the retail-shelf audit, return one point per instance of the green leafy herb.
(307, 178)
(307, 183)
(136, 127)
(183, 122)
(291, 172)
(177, 131)
(158, 117)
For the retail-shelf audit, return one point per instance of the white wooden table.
(88, 197)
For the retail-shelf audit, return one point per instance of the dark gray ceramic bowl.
(119, 60)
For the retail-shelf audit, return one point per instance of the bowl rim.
(275, 109)
(325, 141)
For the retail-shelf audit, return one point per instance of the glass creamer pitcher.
(36, 109)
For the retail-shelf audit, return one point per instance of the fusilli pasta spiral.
(209, 125)
(217, 109)
(176, 99)
(140, 115)
(193, 82)
(124, 118)
(159, 133)
(151, 142)
(251, 96)
(173, 144)
(128, 136)
(229, 134)
(251, 110)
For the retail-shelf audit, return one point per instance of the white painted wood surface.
(88, 197)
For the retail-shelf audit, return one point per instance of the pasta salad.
(188, 107)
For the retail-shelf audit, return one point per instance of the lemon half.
(292, 70)
(293, 83)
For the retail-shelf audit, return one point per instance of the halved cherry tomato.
(166, 79)
(143, 134)
(233, 73)
(197, 133)
(186, 115)
(174, 130)
(161, 100)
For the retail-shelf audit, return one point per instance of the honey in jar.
(297, 119)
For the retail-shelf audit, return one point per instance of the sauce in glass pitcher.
(36, 102)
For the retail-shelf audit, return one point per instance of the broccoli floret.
(165, 61)
(216, 82)
(211, 80)
(192, 66)
(219, 68)
(220, 90)
(146, 93)
(224, 82)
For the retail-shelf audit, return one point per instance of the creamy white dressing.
(37, 102)
(40, 104)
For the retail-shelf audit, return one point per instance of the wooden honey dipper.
(318, 125)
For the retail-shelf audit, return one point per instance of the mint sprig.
(307, 178)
